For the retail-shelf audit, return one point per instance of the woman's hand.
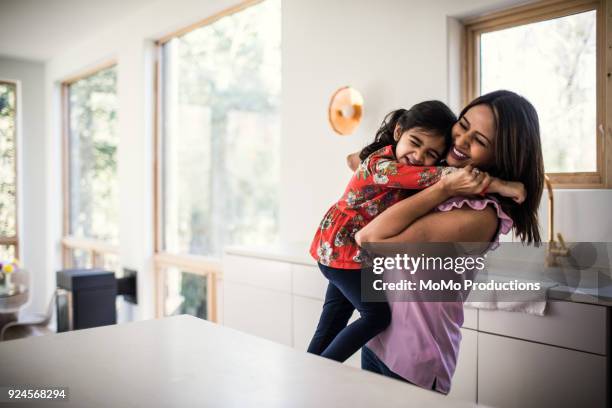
(466, 181)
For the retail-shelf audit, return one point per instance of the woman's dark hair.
(518, 156)
(432, 116)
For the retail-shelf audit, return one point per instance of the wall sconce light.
(345, 110)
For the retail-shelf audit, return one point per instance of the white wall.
(29, 77)
(394, 51)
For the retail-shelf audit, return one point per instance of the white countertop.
(184, 361)
(298, 253)
(293, 253)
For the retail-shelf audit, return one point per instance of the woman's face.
(473, 139)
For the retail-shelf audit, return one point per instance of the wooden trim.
(8, 240)
(207, 21)
(159, 296)
(211, 297)
(530, 13)
(606, 97)
(14, 241)
(16, 136)
(576, 180)
(89, 72)
(540, 11)
(99, 247)
(157, 179)
(197, 264)
(65, 169)
(600, 91)
(65, 95)
(96, 248)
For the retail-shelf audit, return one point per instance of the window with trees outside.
(553, 54)
(9, 243)
(217, 148)
(90, 170)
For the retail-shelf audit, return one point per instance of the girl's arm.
(511, 189)
(386, 171)
(387, 226)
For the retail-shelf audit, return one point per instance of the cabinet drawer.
(470, 318)
(463, 384)
(522, 374)
(261, 312)
(576, 326)
(257, 272)
(306, 314)
(308, 281)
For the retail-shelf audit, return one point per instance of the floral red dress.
(379, 182)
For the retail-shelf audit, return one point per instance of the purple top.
(422, 342)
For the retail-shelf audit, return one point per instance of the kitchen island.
(183, 361)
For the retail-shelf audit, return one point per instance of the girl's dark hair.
(518, 156)
(432, 116)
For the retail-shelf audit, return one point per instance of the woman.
(499, 133)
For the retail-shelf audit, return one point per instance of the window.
(9, 243)
(218, 141)
(90, 164)
(552, 54)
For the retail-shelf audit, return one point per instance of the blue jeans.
(335, 340)
(371, 362)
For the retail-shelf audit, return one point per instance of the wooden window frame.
(200, 265)
(541, 11)
(14, 240)
(96, 249)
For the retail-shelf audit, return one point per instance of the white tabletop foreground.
(183, 361)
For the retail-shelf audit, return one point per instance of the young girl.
(401, 158)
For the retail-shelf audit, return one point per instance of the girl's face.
(474, 139)
(418, 147)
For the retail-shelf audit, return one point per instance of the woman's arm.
(458, 225)
(393, 221)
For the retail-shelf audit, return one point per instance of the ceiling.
(39, 29)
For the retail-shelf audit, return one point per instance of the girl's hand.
(465, 181)
(352, 160)
(511, 189)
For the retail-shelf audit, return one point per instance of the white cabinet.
(258, 272)
(308, 281)
(505, 360)
(572, 325)
(466, 374)
(470, 318)
(276, 300)
(306, 314)
(522, 374)
(263, 312)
